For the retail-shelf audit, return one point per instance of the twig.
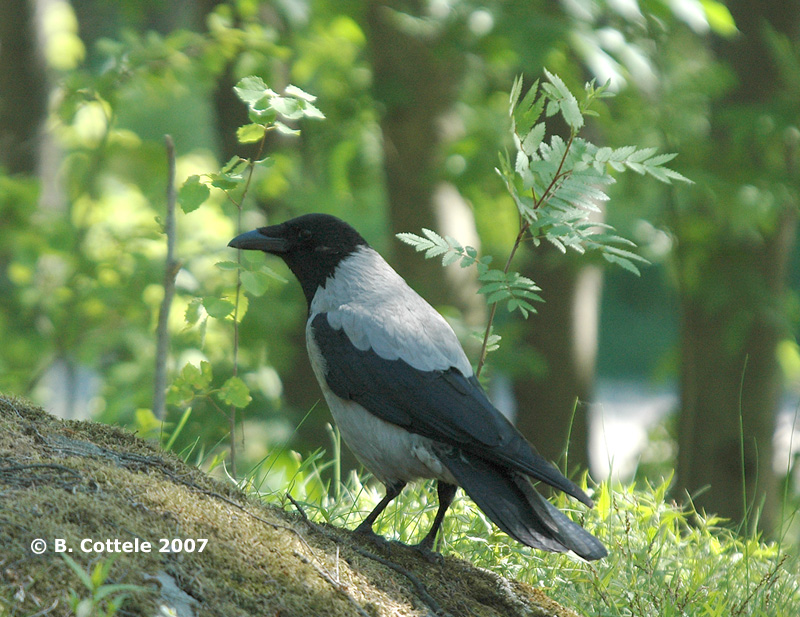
(238, 204)
(522, 231)
(298, 507)
(482, 359)
(170, 272)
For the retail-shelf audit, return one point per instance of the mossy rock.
(82, 480)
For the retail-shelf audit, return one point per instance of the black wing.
(443, 405)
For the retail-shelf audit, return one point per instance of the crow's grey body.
(360, 301)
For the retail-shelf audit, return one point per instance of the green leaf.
(190, 381)
(227, 265)
(310, 111)
(660, 159)
(231, 175)
(285, 130)
(493, 342)
(194, 378)
(236, 166)
(641, 155)
(79, 572)
(615, 250)
(532, 140)
(262, 115)
(627, 264)
(492, 287)
(192, 194)
(217, 307)
(516, 90)
(225, 183)
(529, 110)
(409, 238)
(450, 258)
(235, 392)
(250, 133)
(434, 237)
(192, 314)
(255, 283)
(498, 296)
(287, 107)
(493, 275)
(719, 18)
(567, 103)
(300, 94)
(252, 89)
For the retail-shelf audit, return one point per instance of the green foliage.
(105, 600)
(556, 186)
(265, 107)
(512, 288)
(82, 273)
(192, 194)
(81, 279)
(190, 383)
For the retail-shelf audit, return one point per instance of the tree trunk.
(416, 78)
(552, 403)
(733, 288)
(23, 88)
(731, 381)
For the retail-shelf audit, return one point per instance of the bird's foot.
(425, 550)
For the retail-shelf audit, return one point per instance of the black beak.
(257, 241)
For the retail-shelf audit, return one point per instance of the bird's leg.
(392, 491)
(446, 493)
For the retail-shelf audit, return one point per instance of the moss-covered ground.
(75, 481)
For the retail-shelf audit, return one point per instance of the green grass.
(665, 560)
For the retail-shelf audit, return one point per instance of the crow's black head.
(312, 246)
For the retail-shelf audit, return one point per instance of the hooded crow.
(404, 394)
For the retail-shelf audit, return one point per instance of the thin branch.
(525, 225)
(482, 358)
(170, 272)
(232, 414)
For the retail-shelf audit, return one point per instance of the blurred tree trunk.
(553, 403)
(417, 72)
(416, 77)
(23, 88)
(733, 287)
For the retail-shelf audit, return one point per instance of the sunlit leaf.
(255, 283)
(217, 307)
(252, 89)
(192, 194)
(250, 133)
(235, 392)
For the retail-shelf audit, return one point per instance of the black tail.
(509, 499)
